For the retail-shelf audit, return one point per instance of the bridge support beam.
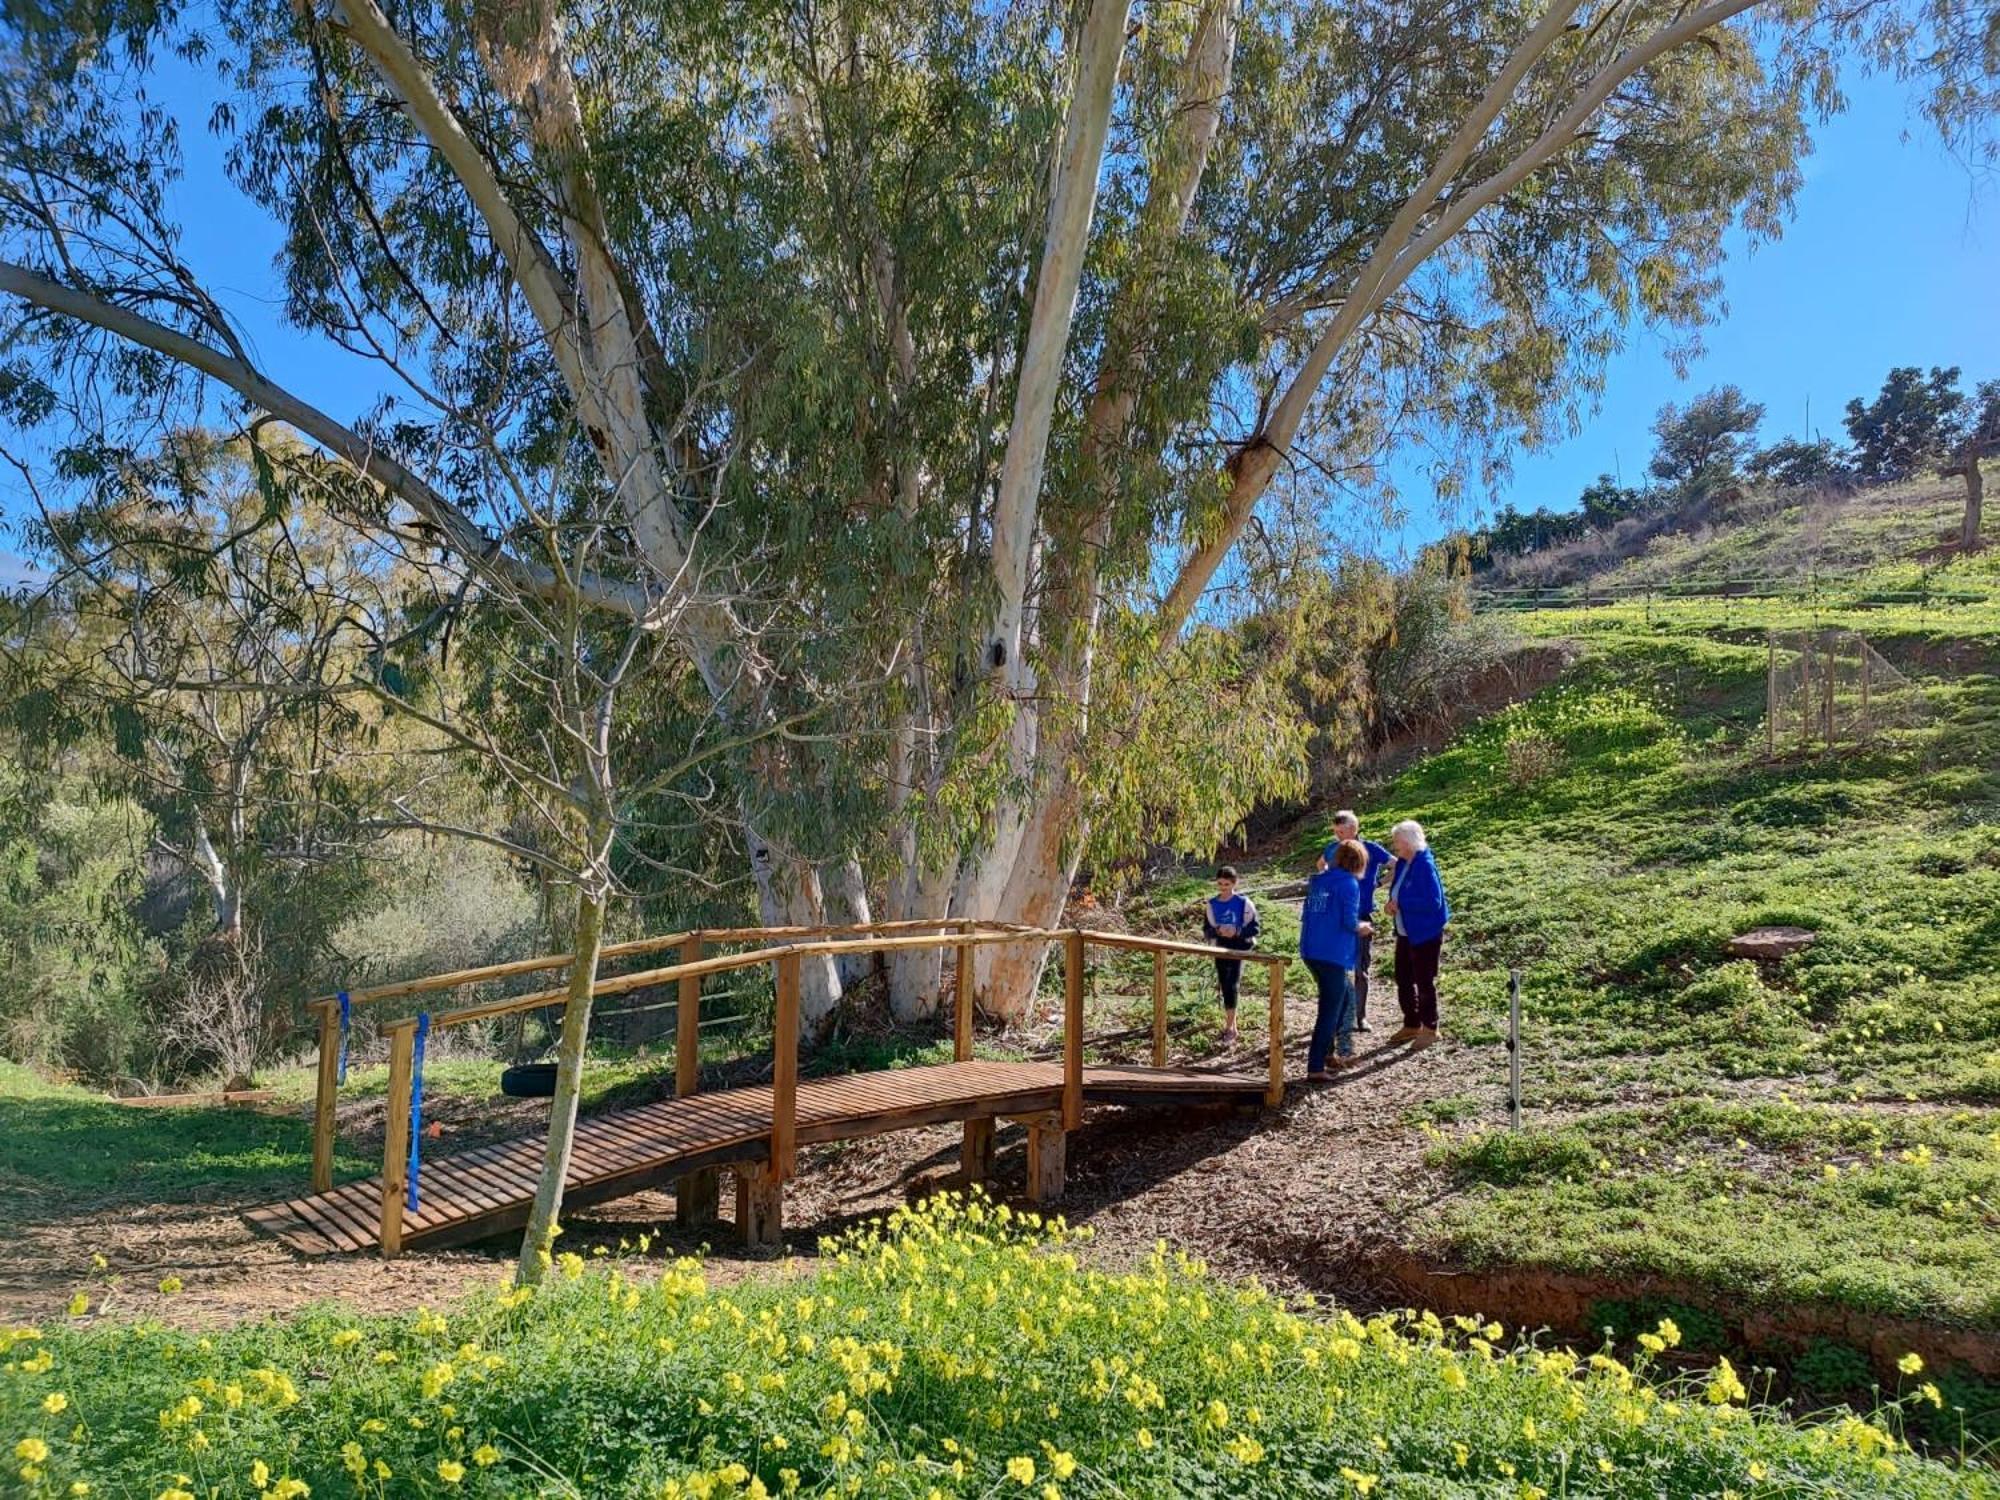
(975, 1157)
(760, 1207)
(1046, 1141)
(697, 1198)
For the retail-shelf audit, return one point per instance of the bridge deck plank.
(490, 1186)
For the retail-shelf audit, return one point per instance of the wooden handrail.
(961, 934)
(1140, 944)
(689, 973)
(453, 979)
(1276, 964)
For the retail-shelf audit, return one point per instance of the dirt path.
(1308, 1196)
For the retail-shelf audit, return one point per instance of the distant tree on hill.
(1981, 439)
(1703, 447)
(1916, 420)
(1794, 464)
(1606, 502)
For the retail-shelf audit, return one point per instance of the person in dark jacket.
(1347, 826)
(1229, 920)
(1329, 926)
(1420, 911)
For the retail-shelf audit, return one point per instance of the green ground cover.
(1822, 1127)
(961, 1352)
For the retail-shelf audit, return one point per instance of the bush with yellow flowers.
(957, 1349)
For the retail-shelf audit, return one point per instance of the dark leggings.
(1417, 980)
(1228, 974)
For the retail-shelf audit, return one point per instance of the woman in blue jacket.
(1329, 923)
(1418, 906)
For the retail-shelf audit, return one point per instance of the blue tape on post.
(344, 1009)
(417, 1109)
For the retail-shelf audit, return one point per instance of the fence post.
(1771, 695)
(1072, 1096)
(785, 1071)
(1274, 1092)
(697, 1195)
(1159, 1009)
(396, 1135)
(961, 1000)
(1805, 690)
(325, 1095)
(1830, 650)
(1514, 1048)
(1867, 683)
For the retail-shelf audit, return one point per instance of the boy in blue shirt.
(1229, 921)
(1347, 826)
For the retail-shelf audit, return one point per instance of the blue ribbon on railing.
(344, 1011)
(417, 1109)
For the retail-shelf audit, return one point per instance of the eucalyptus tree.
(957, 347)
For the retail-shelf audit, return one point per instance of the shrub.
(957, 1351)
(1531, 757)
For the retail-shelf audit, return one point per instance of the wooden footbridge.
(754, 1131)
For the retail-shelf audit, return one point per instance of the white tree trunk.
(1074, 201)
(788, 895)
(847, 905)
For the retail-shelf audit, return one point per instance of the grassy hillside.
(1821, 1128)
(963, 1352)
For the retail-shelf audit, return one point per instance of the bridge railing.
(963, 935)
(329, 1021)
(1276, 966)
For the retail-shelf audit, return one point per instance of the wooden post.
(1867, 684)
(961, 1001)
(1805, 692)
(1274, 1094)
(760, 1207)
(325, 1096)
(975, 1159)
(1046, 1139)
(785, 1071)
(1072, 1099)
(697, 1195)
(1159, 1009)
(396, 1135)
(687, 1023)
(1830, 651)
(1771, 694)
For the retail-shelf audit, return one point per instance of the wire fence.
(1809, 588)
(1826, 688)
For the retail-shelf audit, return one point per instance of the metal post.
(1514, 1048)
(1771, 695)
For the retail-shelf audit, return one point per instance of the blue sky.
(1891, 259)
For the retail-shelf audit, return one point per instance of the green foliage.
(1914, 421)
(1702, 448)
(957, 1350)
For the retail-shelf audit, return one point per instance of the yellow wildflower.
(1910, 1364)
(450, 1470)
(54, 1402)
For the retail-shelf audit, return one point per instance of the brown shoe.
(1319, 1078)
(1423, 1037)
(1403, 1035)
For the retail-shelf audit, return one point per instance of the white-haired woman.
(1420, 911)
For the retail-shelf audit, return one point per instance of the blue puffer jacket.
(1417, 890)
(1327, 920)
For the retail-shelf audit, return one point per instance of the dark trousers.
(1364, 956)
(1335, 1021)
(1417, 980)
(1228, 974)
